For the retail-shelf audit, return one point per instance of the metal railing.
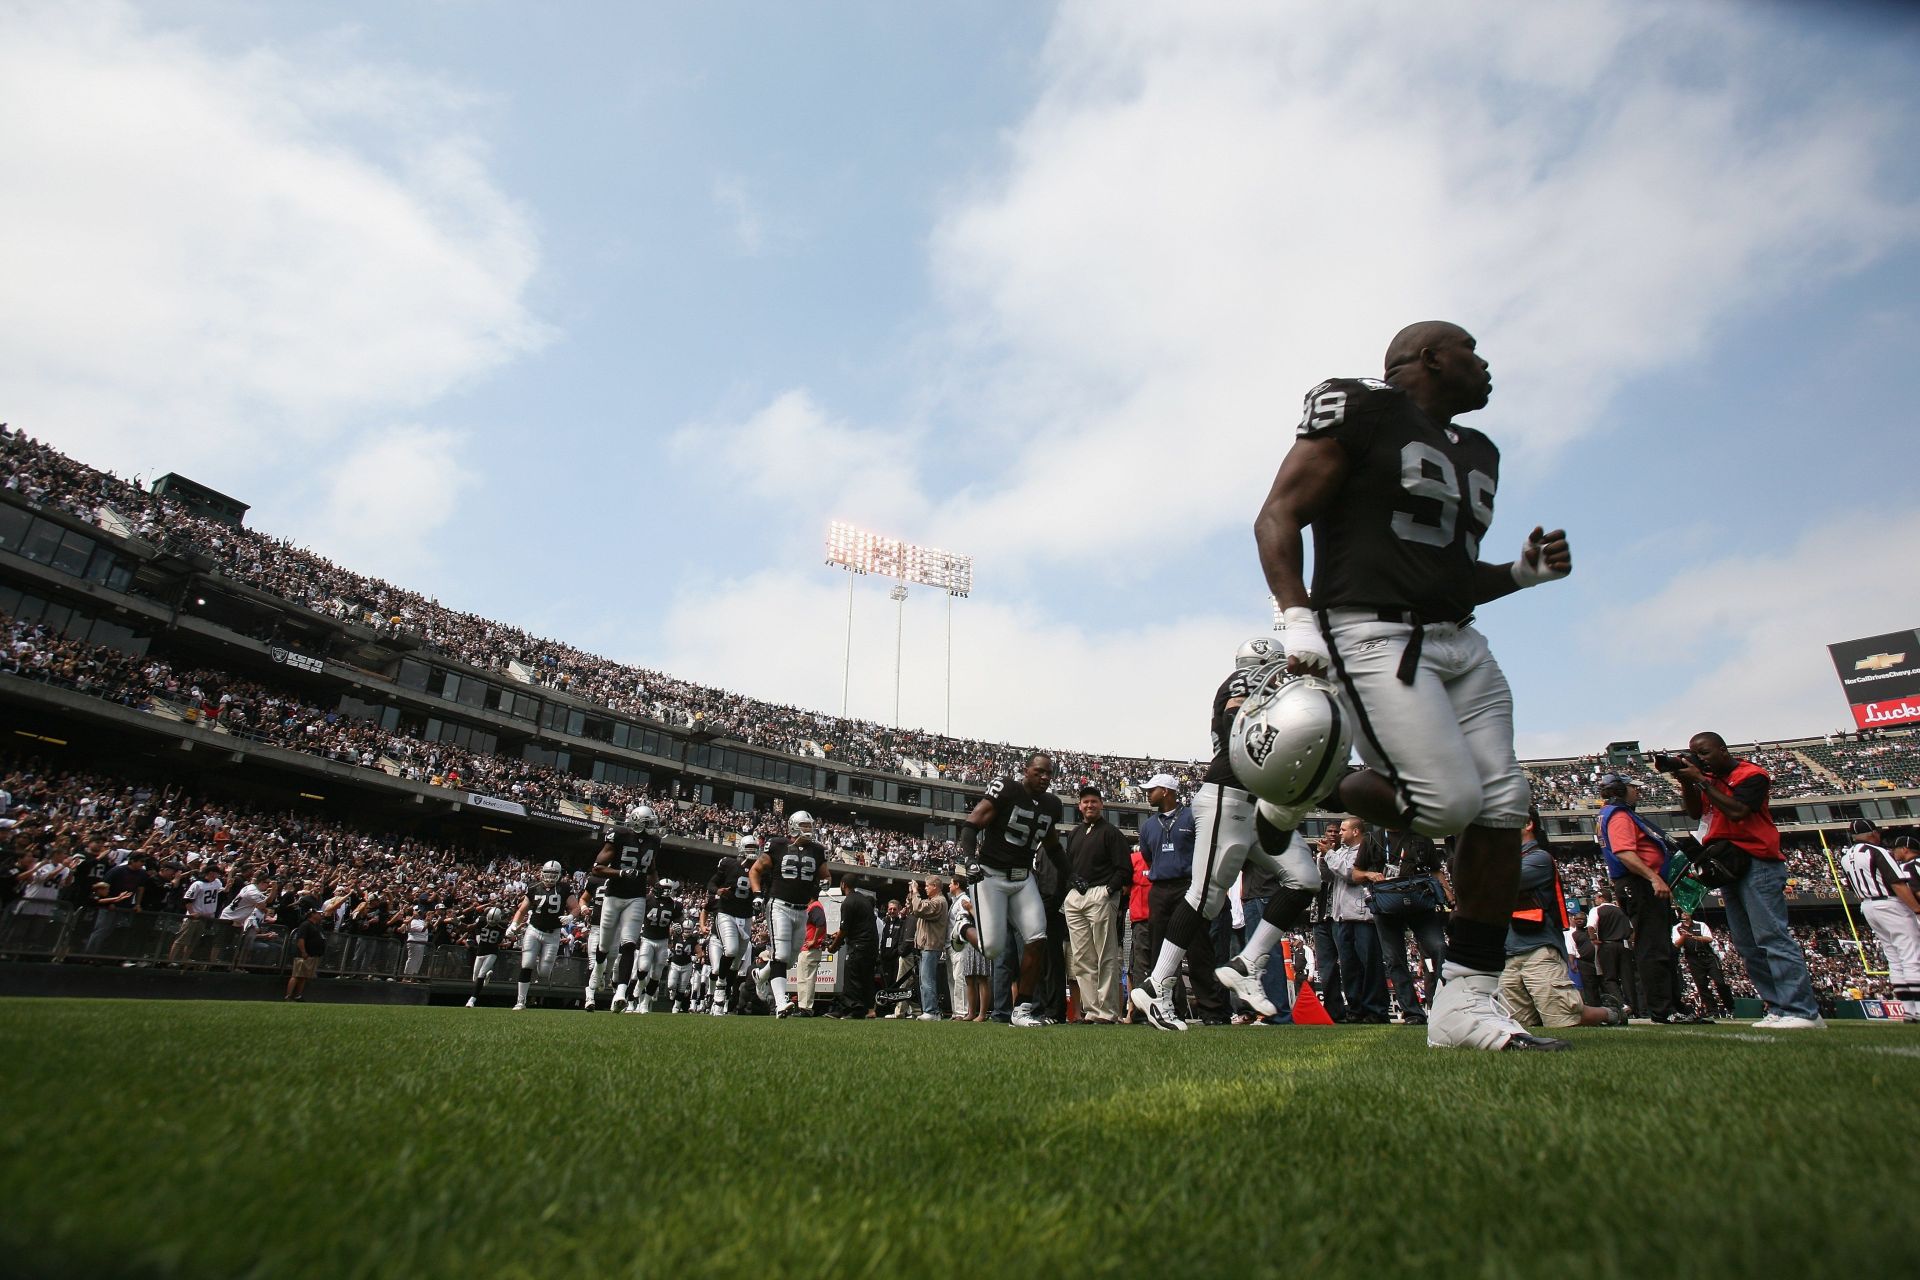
(104, 935)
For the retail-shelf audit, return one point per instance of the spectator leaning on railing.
(1731, 795)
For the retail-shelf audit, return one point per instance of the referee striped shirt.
(1870, 871)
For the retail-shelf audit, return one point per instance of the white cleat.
(1771, 1019)
(1245, 982)
(520, 1004)
(1466, 1014)
(1024, 1015)
(619, 1004)
(473, 1002)
(643, 1005)
(589, 1005)
(1788, 1022)
(1157, 1005)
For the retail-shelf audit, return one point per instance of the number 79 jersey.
(1021, 824)
(1404, 530)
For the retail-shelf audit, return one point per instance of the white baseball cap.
(1166, 780)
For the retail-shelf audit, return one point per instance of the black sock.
(1476, 945)
(1287, 906)
(1184, 925)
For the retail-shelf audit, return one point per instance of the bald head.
(1410, 342)
(1436, 364)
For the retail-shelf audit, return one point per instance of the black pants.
(1709, 978)
(1049, 993)
(1611, 959)
(1209, 1001)
(1652, 918)
(856, 965)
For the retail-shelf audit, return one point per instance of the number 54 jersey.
(1404, 531)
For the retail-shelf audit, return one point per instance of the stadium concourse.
(215, 696)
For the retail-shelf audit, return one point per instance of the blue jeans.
(930, 980)
(1430, 933)
(1326, 971)
(1366, 978)
(1757, 919)
(1274, 980)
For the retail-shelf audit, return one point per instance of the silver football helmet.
(749, 845)
(1257, 652)
(643, 819)
(800, 826)
(496, 917)
(1289, 745)
(551, 873)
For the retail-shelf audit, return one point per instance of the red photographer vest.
(1754, 833)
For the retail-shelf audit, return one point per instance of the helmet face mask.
(643, 819)
(1289, 745)
(801, 825)
(750, 845)
(551, 873)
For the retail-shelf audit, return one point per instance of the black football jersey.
(486, 940)
(1021, 823)
(599, 900)
(732, 876)
(662, 914)
(549, 903)
(632, 862)
(681, 953)
(796, 869)
(1404, 530)
(1220, 769)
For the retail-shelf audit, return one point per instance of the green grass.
(221, 1139)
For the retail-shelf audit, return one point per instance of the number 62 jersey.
(1404, 530)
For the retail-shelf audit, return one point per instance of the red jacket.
(1755, 833)
(1137, 896)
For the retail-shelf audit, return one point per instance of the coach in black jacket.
(1099, 875)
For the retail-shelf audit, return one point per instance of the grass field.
(222, 1139)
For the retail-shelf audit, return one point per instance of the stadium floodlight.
(860, 551)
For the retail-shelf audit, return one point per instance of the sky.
(590, 318)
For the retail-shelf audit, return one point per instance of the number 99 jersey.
(1021, 823)
(1404, 531)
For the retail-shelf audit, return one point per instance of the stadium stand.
(217, 634)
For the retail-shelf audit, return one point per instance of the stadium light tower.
(861, 552)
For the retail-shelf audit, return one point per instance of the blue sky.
(591, 322)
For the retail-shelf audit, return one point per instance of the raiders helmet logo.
(1259, 744)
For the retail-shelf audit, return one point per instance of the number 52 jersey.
(1404, 530)
(1021, 824)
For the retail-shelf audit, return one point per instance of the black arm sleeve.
(969, 840)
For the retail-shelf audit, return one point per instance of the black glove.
(975, 873)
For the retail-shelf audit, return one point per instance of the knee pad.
(776, 968)
(1504, 802)
(627, 949)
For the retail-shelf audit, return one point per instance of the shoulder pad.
(1326, 406)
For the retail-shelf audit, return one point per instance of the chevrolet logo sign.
(1880, 662)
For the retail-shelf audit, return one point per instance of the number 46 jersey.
(1404, 531)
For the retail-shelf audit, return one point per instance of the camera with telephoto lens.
(1674, 764)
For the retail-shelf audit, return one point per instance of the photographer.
(1731, 794)
(1636, 856)
(1409, 893)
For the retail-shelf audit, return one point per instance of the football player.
(1014, 823)
(1228, 833)
(1399, 496)
(795, 864)
(729, 914)
(547, 900)
(657, 927)
(596, 958)
(485, 946)
(680, 973)
(625, 866)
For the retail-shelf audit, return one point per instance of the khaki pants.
(1093, 951)
(1540, 991)
(807, 972)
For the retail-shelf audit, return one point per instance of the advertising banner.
(1881, 677)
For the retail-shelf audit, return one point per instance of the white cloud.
(744, 221)
(386, 495)
(1212, 206)
(1738, 644)
(1018, 675)
(227, 264)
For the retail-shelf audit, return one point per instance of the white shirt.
(417, 930)
(244, 904)
(203, 899)
(1700, 930)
